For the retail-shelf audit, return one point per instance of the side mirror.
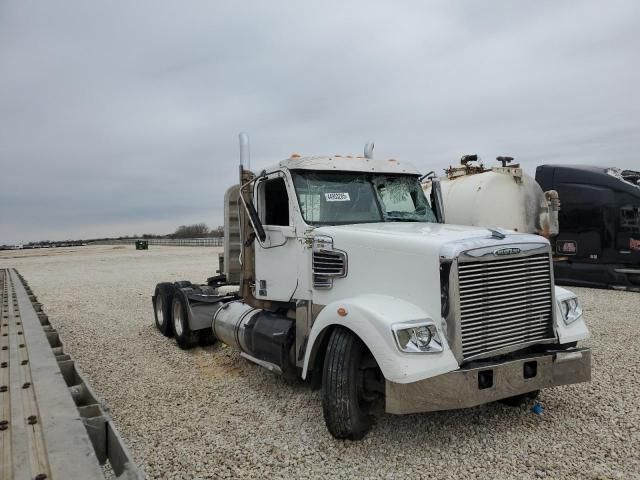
(254, 219)
(437, 201)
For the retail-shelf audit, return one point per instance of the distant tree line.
(196, 230)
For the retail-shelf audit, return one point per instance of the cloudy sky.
(122, 117)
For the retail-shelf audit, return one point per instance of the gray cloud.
(121, 118)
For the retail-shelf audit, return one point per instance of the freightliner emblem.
(506, 251)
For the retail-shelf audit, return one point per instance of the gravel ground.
(207, 413)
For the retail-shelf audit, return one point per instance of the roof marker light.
(368, 149)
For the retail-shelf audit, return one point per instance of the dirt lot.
(207, 413)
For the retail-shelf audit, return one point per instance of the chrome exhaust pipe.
(245, 158)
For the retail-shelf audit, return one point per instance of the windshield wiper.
(402, 219)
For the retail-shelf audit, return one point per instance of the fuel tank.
(264, 337)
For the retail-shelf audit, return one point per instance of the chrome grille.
(327, 265)
(504, 302)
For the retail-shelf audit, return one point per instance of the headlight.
(417, 337)
(571, 310)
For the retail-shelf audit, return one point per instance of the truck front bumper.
(488, 382)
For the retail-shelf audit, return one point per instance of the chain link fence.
(172, 242)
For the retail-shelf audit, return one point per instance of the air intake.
(328, 263)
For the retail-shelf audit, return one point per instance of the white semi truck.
(339, 270)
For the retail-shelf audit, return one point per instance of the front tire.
(185, 337)
(345, 401)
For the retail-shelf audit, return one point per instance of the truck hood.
(418, 237)
(403, 260)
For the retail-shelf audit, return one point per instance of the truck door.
(276, 258)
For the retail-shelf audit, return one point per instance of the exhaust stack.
(245, 158)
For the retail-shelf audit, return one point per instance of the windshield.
(328, 198)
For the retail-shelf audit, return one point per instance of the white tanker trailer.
(498, 197)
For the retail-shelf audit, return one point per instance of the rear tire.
(162, 301)
(185, 338)
(522, 399)
(345, 404)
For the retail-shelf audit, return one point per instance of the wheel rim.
(177, 318)
(159, 310)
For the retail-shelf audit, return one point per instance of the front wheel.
(349, 373)
(185, 337)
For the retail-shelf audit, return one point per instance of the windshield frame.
(369, 176)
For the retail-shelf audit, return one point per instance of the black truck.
(599, 240)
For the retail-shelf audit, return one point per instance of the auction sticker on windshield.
(337, 197)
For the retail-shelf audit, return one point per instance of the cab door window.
(276, 202)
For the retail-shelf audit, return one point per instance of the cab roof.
(348, 164)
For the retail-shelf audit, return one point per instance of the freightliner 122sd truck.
(340, 271)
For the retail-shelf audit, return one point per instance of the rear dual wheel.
(185, 337)
(171, 317)
(162, 302)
